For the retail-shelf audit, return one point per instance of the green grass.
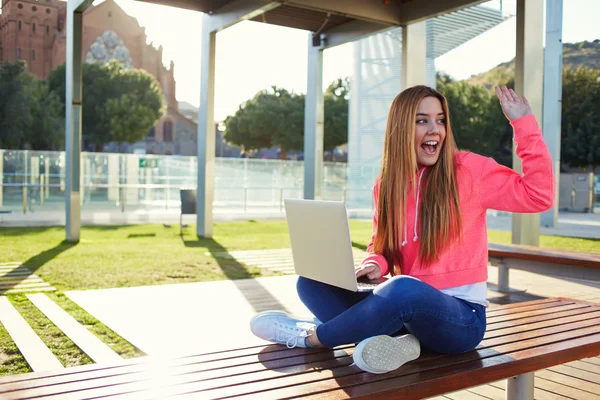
(138, 255)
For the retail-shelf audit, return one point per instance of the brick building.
(35, 31)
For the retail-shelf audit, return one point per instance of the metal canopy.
(323, 15)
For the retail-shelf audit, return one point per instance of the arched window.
(168, 131)
(151, 133)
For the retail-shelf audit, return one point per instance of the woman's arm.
(502, 188)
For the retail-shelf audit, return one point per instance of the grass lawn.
(139, 255)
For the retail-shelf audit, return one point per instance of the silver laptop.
(321, 244)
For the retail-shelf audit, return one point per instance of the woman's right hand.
(371, 270)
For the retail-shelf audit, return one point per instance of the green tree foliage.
(580, 130)
(275, 118)
(336, 114)
(477, 120)
(118, 105)
(30, 116)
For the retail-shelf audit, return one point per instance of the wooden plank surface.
(84, 339)
(35, 352)
(273, 371)
(542, 254)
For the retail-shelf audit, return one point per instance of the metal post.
(47, 173)
(73, 122)
(25, 198)
(528, 82)
(553, 97)
(520, 387)
(503, 277)
(122, 199)
(414, 55)
(206, 131)
(313, 122)
(41, 186)
(280, 199)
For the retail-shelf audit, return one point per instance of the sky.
(254, 56)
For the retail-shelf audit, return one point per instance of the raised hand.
(513, 105)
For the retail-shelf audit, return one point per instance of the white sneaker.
(280, 327)
(383, 353)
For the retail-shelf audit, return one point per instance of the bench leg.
(520, 387)
(503, 280)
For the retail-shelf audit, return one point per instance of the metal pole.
(529, 82)
(25, 198)
(73, 121)
(122, 199)
(520, 387)
(280, 199)
(551, 118)
(41, 186)
(503, 278)
(206, 131)
(313, 122)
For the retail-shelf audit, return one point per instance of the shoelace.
(290, 336)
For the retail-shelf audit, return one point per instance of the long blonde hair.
(440, 220)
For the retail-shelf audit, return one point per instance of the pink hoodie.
(482, 184)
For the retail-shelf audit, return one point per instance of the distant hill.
(574, 55)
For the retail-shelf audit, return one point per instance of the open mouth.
(430, 147)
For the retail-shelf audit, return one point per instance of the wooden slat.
(492, 392)
(563, 390)
(584, 366)
(566, 380)
(84, 339)
(540, 392)
(546, 255)
(453, 377)
(267, 372)
(525, 308)
(35, 352)
(543, 311)
(540, 325)
(494, 307)
(303, 383)
(465, 395)
(501, 324)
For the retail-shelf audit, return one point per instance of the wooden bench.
(555, 262)
(521, 338)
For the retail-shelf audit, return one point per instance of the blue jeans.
(442, 323)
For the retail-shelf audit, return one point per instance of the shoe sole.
(381, 354)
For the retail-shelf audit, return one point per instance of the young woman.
(429, 234)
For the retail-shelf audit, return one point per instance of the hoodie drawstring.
(416, 212)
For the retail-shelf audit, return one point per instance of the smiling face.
(430, 131)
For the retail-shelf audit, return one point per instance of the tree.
(477, 120)
(118, 105)
(580, 130)
(272, 118)
(48, 121)
(30, 116)
(275, 118)
(15, 103)
(336, 114)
